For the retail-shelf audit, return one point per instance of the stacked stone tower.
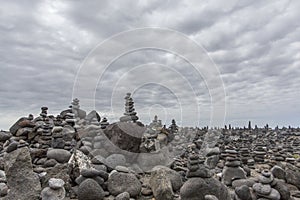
(130, 114)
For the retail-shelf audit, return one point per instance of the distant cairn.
(130, 114)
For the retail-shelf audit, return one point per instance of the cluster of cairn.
(75, 155)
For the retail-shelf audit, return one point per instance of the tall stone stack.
(75, 107)
(196, 167)
(70, 118)
(232, 169)
(104, 123)
(46, 135)
(130, 114)
(259, 153)
(245, 155)
(173, 127)
(44, 130)
(278, 155)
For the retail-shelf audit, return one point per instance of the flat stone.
(55, 183)
(122, 169)
(60, 155)
(262, 189)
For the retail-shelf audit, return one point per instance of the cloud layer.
(255, 45)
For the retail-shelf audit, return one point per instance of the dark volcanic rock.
(293, 177)
(4, 136)
(283, 190)
(174, 177)
(90, 190)
(243, 192)
(119, 182)
(22, 122)
(197, 188)
(126, 136)
(161, 185)
(24, 184)
(60, 155)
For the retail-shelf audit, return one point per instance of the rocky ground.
(81, 156)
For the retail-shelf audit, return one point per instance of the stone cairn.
(278, 155)
(246, 158)
(104, 123)
(44, 131)
(232, 169)
(196, 167)
(173, 127)
(130, 114)
(259, 153)
(264, 189)
(150, 141)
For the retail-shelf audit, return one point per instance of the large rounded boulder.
(197, 188)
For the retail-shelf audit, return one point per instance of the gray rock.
(262, 189)
(210, 197)
(241, 182)
(4, 136)
(22, 122)
(119, 182)
(123, 196)
(243, 192)
(198, 188)
(3, 189)
(12, 146)
(212, 151)
(60, 155)
(231, 173)
(212, 161)
(50, 163)
(56, 183)
(51, 194)
(174, 177)
(2, 175)
(24, 184)
(114, 160)
(274, 195)
(90, 173)
(161, 185)
(120, 168)
(278, 172)
(283, 190)
(126, 136)
(90, 190)
(293, 177)
(266, 179)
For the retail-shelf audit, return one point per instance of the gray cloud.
(254, 44)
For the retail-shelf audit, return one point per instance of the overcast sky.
(254, 44)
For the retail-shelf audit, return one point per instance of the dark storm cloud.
(255, 45)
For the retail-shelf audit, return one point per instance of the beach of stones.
(84, 156)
